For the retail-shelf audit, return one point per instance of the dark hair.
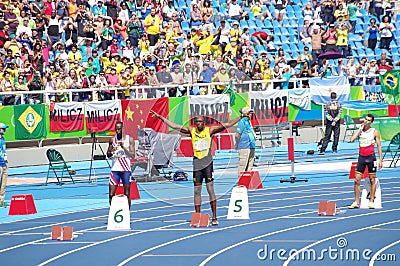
(333, 95)
(370, 116)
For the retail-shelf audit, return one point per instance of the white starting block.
(119, 217)
(239, 204)
(365, 194)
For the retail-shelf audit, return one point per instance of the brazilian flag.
(30, 122)
(390, 82)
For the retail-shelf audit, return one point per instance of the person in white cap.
(245, 141)
(3, 164)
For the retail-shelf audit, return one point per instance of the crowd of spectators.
(56, 45)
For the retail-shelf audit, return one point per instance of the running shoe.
(355, 205)
(214, 222)
(371, 205)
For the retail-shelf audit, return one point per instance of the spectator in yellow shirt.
(74, 55)
(152, 24)
(204, 43)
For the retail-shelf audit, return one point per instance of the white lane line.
(372, 261)
(61, 255)
(335, 236)
(215, 230)
(141, 210)
(293, 192)
(155, 229)
(289, 229)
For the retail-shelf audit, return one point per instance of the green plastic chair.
(351, 126)
(57, 164)
(394, 150)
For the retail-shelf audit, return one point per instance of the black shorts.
(205, 173)
(366, 161)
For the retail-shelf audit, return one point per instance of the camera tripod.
(96, 157)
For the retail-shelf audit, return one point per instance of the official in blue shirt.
(3, 164)
(245, 141)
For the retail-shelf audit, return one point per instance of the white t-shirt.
(234, 10)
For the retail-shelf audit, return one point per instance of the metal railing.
(141, 92)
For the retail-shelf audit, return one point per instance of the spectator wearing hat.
(221, 76)
(206, 74)
(24, 28)
(153, 24)
(316, 35)
(223, 32)
(152, 81)
(245, 141)
(204, 42)
(121, 29)
(13, 44)
(328, 8)
(176, 74)
(3, 164)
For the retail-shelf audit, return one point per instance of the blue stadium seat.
(277, 31)
(182, 4)
(243, 24)
(285, 39)
(253, 25)
(185, 26)
(284, 31)
(297, 8)
(359, 45)
(369, 52)
(361, 52)
(286, 23)
(297, 2)
(277, 40)
(298, 14)
(251, 16)
(395, 50)
(292, 32)
(260, 48)
(289, 8)
(259, 24)
(301, 46)
(359, 29)
(275, 24)
(268, 24)
(378, 51)
(286, 47)
(294, 47)
(291, 15)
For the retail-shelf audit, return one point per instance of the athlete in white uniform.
(121, 148)
(368, 137)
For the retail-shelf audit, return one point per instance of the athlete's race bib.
(201, 145)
